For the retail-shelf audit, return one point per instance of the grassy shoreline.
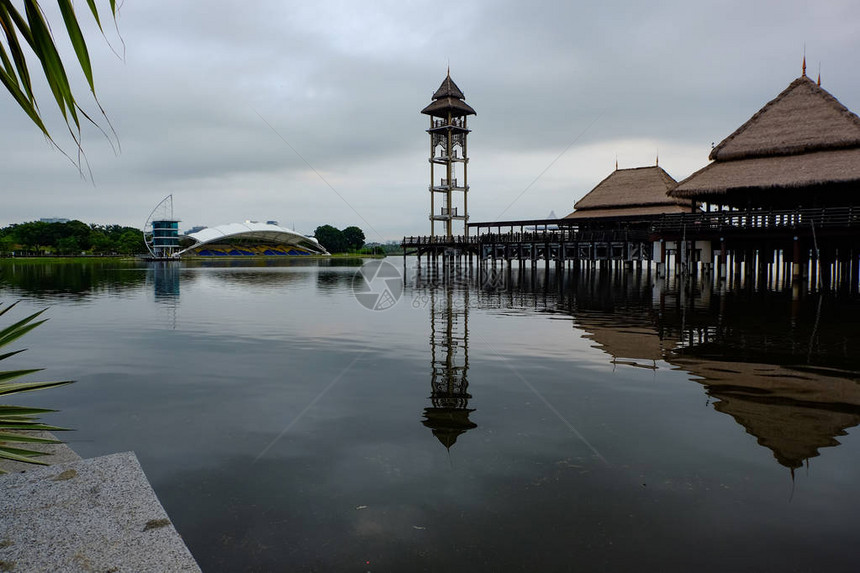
(79, 259)
(62, 259)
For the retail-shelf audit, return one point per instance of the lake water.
(522, 421)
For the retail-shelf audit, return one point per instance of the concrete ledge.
(99, 514)
(53, 453)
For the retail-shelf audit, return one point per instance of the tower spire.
(803, 69)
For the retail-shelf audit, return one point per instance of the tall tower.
(448, 133)
(161, 230)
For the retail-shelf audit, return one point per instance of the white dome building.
(251, 239)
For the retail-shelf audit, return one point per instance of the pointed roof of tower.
(448, 89)
(447, 98)
(803, 118)
(630, 192)
(448, 423)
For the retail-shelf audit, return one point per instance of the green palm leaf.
(21, 420)
(9, 437)
(33, 29)
(6, 411)
(19, 455)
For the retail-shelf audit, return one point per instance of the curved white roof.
(261, 231)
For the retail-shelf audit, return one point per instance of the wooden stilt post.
(855, 272)
(825, 262)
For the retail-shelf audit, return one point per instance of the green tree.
(31, 236)
(331, 238)
(130, 243)
(7, 243)
(354, 238)
(78, 231)
(101, 243)
(31, 31)
(68, 246)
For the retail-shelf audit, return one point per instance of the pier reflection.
(447, 300)
(785, 368)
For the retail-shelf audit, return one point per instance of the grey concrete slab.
(99, 514)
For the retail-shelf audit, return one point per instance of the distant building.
(161, 230)
(196, 229)
(53, 220)
(251, 239)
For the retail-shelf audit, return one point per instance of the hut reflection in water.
(785, 369)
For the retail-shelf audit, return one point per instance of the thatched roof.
(448, 98)
(785, 172)
(792, 412)
(630, 339)
(630, 192)
(802, 119)
(628, 343)
(440, 108)
(794, 433)
(448, 424)
(448, 89)
(801, 138)
(630, 212)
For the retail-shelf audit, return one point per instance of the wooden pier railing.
(821, 218)
(595, 239)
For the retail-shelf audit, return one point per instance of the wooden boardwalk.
(822, 243)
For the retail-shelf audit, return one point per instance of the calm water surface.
(524, 421)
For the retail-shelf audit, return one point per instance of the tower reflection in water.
(448, 306)
(164, 277)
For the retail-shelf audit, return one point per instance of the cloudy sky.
(308, 112)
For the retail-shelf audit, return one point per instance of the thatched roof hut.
(801, 149)
(630, 193)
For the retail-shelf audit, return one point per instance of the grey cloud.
(344, 84)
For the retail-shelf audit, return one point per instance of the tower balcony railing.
(448, 213)
(455, 156)
(455, 122)
(446, 184)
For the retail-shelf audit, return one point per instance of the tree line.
(348, 240)
(70, 238)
